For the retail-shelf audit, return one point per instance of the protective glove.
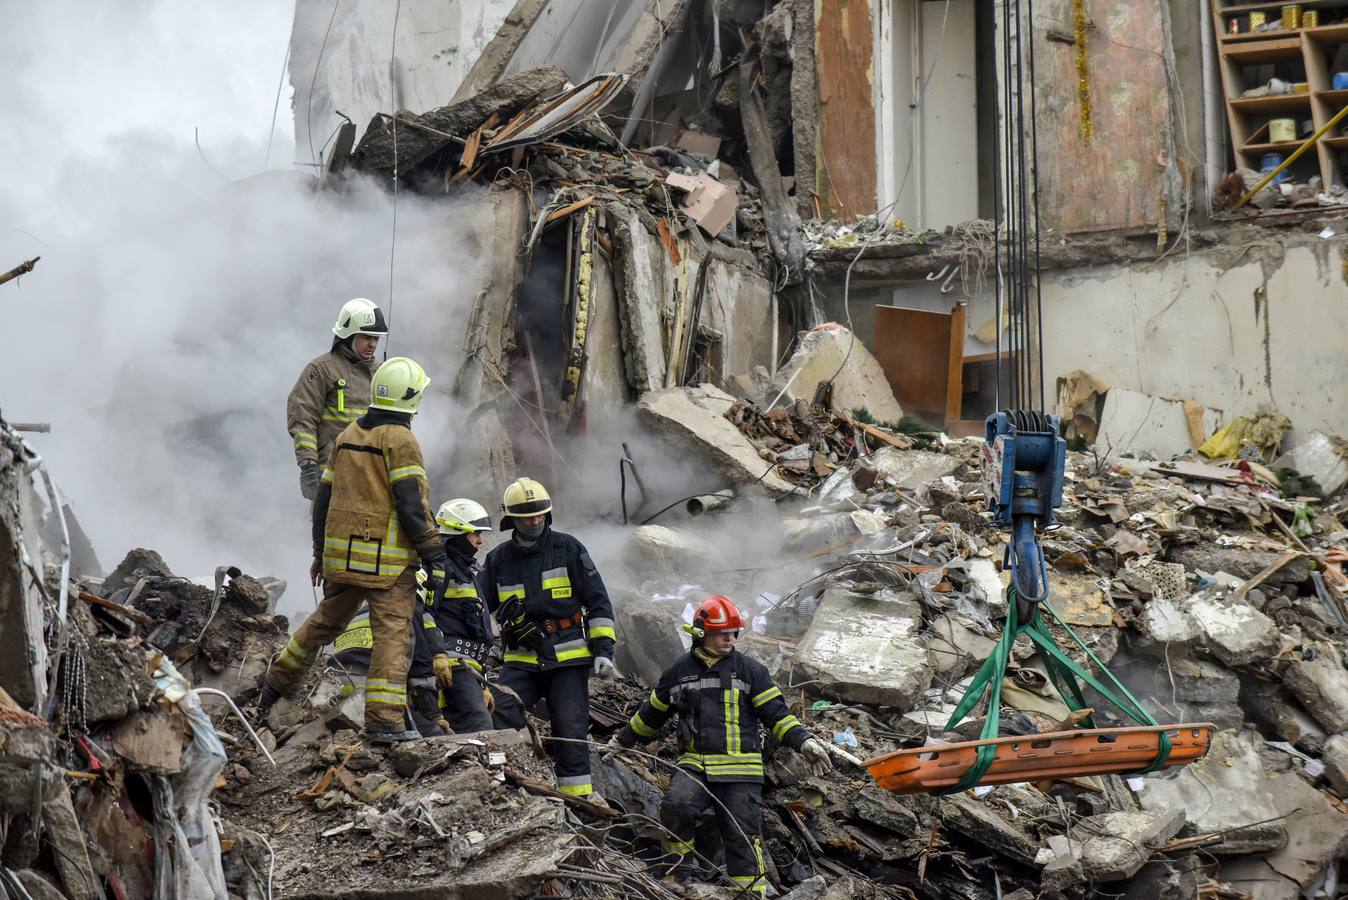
(604, 668)
(310, 476)
(444, 671)
(816, 756)
(490, 699)
(430, 562)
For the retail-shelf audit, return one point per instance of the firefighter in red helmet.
(721, 697)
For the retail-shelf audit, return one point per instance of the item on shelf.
(1233, 27)
(1310, 18)
(1291, 17)
(1340, 81)
(1270, 162)
(1301, 87)
(1281, 131)
(1258, 20)
(1307, 129)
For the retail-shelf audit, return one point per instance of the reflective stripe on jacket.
(720, 709)
(556, 579)
(462, 627)
(375, 505)
(332, 392)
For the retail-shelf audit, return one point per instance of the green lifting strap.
(1066, 676)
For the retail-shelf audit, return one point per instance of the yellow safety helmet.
(462, 516)
(398, 385)
(525, 497)
(360, 316)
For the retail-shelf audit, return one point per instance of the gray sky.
(101, 99)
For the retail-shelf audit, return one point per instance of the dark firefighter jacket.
(719, 709)
(553, 586)
(458, 625)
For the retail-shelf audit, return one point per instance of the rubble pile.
(1211, 593)
(109, 795)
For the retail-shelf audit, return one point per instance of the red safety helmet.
(716, 613)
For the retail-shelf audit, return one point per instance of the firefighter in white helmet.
(454, 636)
(372, 530)
(334, 389)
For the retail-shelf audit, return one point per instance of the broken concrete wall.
(343, 52)
(1241, 331)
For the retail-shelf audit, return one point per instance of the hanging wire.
(309, 101)
(393, 237)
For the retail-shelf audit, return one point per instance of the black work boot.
(382, 737)
(266, 700)
(425, 709)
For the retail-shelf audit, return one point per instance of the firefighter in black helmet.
(556, 625)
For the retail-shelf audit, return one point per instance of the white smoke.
(172, 312)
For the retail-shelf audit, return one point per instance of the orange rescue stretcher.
(1037, 757)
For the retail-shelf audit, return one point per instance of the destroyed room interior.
(812, 449)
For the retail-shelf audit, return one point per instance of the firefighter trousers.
(390, 630)
(567, 690)
(463, 705)
(739, 817)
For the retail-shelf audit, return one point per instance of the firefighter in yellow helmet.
(372, 530)
(556, 625)
(334, 389)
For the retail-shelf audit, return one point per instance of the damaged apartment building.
(710, 180)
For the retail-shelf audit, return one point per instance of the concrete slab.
(1322, 687)
(640, 267)
(660, 550)
(860, 383)
(1223, 792)
(1134, 424)
(1318, 456)
(1117, 844)
(862, 649)
(910, 469)
(1335, 759)
(1235, 632)
(694, 418)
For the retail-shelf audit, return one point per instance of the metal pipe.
(36, 427)
(249, 728)
(706, 503)
(1310, 142)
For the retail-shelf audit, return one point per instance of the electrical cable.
(393, 237)
(309, 101)
(276, 104)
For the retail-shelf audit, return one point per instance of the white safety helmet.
(462, 516)
(360, 316)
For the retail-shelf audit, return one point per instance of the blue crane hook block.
(1023, 462)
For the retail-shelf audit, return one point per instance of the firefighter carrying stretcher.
(721, 697)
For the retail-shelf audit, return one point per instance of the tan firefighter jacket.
(372, 516)
(331, 393)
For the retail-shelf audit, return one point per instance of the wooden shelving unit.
(1303, 55)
